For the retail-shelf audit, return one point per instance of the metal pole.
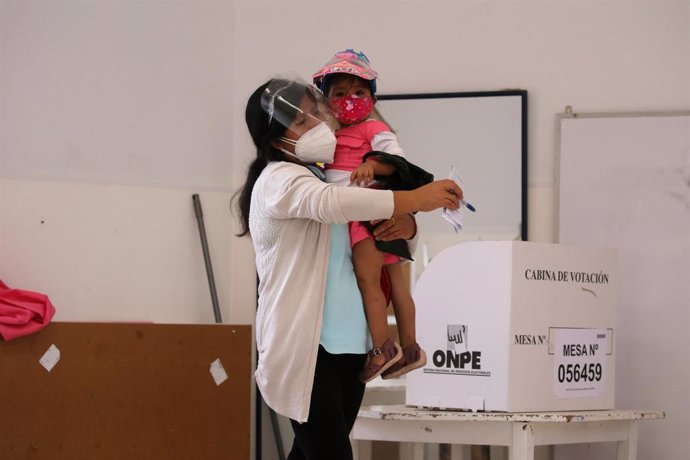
(207, 257)
(276, 433)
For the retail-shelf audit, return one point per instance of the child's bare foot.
(380, 359)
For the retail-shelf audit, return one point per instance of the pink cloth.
(359, 232)
(353, 143)
(23, 312)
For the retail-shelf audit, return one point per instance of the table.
(380, 392)
(385, 392)
(520, 432)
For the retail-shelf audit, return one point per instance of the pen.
(468, 206)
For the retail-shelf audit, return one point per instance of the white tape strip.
(50, 358)
(218, 372)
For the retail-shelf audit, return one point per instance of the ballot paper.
(454, 217)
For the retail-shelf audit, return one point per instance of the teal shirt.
(344, 327)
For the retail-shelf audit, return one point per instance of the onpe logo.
(460, 358)
(457, 334)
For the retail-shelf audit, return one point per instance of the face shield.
(296, 105)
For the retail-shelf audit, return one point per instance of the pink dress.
(353, 142)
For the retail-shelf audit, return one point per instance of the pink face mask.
(350, 110)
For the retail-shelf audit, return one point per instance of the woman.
(311, 332)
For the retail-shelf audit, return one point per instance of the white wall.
(593, 56)
(161, 85)
(112, 115)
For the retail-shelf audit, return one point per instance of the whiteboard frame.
(485, 94)
(651, 258)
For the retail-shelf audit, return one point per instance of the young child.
(350, 84)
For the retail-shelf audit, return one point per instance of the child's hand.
(363, 175)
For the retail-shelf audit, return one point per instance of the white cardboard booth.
(516, 326)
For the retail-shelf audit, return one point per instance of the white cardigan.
(289, 220)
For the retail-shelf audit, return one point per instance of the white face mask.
(315, 146)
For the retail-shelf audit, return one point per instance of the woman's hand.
(443, 193)
(397, 227)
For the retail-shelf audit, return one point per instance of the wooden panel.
(127, 391)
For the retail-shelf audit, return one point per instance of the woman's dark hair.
(263, 133)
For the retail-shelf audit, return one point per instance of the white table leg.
(432, 451)
(411, 451)
(522, 447)
(498, 453)
(361, 450)
(627, 450)
(460, 452)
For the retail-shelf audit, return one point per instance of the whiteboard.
(483, 135)
(624, 182)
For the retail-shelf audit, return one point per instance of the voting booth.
(516, 326)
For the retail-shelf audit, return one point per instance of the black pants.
(335, 401)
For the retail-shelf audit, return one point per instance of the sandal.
(413, 358)
(391, 352)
